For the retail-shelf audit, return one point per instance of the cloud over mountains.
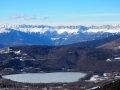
(22, 16)
(25, 17)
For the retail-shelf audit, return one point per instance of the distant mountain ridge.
(98, 43)
(17, 38)
(54, 35)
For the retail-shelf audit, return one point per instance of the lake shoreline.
(55, 75)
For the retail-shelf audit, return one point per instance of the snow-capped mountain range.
(55, 35)
(115, 28)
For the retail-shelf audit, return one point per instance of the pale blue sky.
(60, 12)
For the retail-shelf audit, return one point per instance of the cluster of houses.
(8, 50)
(105, 77)
(115, 59)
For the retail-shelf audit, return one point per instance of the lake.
(56, 77)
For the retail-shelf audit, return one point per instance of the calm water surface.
(60, 77)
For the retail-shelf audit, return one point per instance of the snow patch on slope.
(70, 31)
